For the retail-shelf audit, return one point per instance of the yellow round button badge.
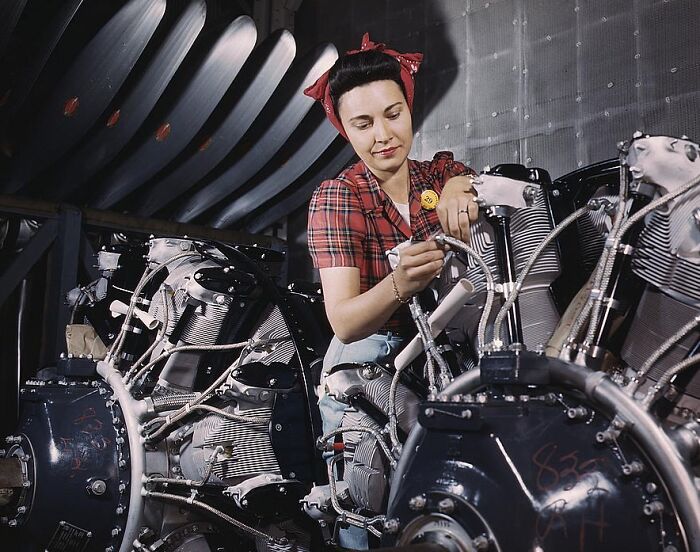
(429, 199)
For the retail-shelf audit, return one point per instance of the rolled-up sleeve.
(336, 226)
(443, 167)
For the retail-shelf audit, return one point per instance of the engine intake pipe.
(119, 308)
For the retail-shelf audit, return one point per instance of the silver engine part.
(667, 257)
(526, 207)
(365, 388)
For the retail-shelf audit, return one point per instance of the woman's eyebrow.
(392, 106)
(362, 117)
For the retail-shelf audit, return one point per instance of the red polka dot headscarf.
(409, 63)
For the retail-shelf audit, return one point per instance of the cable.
(350, 517)
(181, 348)
(667, 376)
(610, 253)
(190, 483)
(204, 506)
(613, 245)
(158, 338)
(510, 301)
(641, 374)
(147, 276)
(360, 429)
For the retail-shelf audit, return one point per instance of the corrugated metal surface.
(177, 109)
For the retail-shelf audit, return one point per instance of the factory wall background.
(546, 83)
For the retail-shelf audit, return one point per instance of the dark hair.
(352, 70)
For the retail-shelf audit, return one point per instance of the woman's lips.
(388, 152)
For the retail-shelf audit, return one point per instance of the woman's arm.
(354, 315)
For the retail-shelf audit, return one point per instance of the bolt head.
(446, 506)
(391, 526)
(417, 502)
(98, 487)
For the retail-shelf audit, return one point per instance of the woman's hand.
(456, 208)
(419, 264)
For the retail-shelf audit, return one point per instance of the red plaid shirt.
(352, 222)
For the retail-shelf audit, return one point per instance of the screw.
(481, 543)
(21, 509)
(391, 526)
(655, 507)
(116, 531)
(633, 468)
(417, 502)
(429, 412)
(576, 413)
(278, 427)
(446, 506)
(12, 523)
(98, 487)
(651, 487)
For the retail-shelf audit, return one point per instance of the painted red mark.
(71, 106)
(163, 132)
(114, 118)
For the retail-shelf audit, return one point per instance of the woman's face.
(378, 123)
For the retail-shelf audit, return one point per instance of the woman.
(373, 208)
(378, 203)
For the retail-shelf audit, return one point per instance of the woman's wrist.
(397, 293)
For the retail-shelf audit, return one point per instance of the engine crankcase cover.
(79, 467)
(517, 473)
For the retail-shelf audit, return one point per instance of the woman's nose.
(382, 132)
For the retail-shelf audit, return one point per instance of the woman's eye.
(362, 126)
(394, 115)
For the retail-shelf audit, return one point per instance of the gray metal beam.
(32, 252)
(61, 278)
(262, 151)
(88, 258)
(31, 208)
(186, 117)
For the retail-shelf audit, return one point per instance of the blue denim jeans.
(374, 348)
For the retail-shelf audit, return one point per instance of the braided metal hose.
(510, 301)
(641, 374)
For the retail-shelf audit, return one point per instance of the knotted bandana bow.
(409, 63)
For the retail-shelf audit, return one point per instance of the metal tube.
(506, 261)
(131, 410)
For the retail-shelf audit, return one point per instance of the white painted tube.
(119, 308)
(438, 319)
